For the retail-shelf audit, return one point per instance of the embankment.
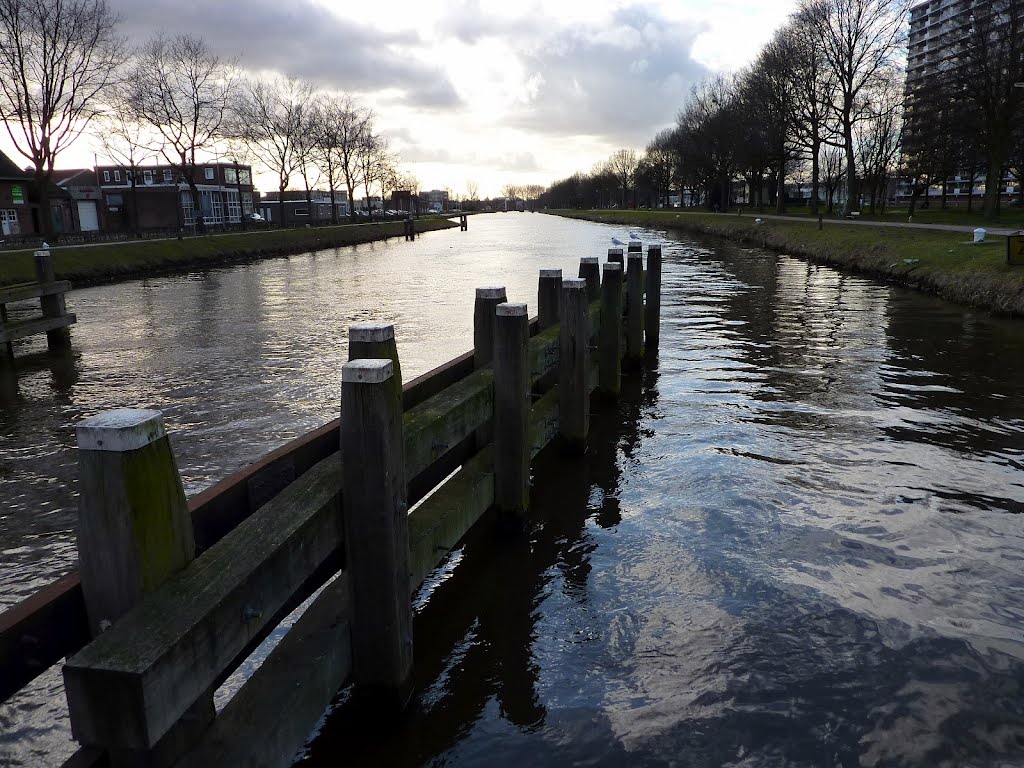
(939, 262)
(88, 265)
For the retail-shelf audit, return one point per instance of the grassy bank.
(87, 265)
(938, 262)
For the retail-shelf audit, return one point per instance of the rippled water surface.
(795, 542)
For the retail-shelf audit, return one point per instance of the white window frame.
(168, 176)
(117, 174)
(147, 177)
(106, 176)
(210, 175)
(234, 208)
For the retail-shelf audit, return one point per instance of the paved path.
(868, 223)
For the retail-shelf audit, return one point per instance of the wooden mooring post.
(55, 317)
(376, 532)
(134, 532)
(590, 270)
(367, 341)
(634, 308)
(609, 344)
(487, 300)
(549, 296)
(409, 228)
(463, 222)
(635, 247)
(652, 307)
(511, 414)
(616, 255)
(574, 367)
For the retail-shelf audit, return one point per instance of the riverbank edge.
(998, 288)
(104, 264)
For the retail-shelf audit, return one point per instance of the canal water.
(795, 542)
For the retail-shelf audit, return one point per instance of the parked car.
(254, 218)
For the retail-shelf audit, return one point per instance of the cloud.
(302, 39)
(619, 78)
(525, 162)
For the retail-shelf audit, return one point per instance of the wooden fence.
(55, 318)
(171, 596)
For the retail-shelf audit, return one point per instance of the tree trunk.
(993, 187)
(45, 215)
(780, 188)
(200, 224)
(280, 202)
(851, 169)
(815, 176)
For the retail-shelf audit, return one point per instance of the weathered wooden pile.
(171, 596)
(55, 318)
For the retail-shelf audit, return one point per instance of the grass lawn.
(936, 261)
(100, 263)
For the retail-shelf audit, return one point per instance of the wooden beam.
(437, 525)
(21, 328)
(270, 717)
(130, 684)
(32, 291)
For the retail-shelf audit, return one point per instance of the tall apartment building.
(938, 31)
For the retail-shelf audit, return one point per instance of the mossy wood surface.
(441, 422)
(270, 717)
(132, 683)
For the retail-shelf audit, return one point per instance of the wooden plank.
(543, 353)
(440, 522)
(21, 328)
(28, 291)
(444, 420)
(271, 716)
(39, 631)
(129, 685)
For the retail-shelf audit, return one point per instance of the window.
(230, 177)
(209, 174)
(234, 209)
(302, 211)
(168, 176)
(247, 203)
(117, 175)
(113, 201)
(147, 177)
(244, 176)
(188, 212)
(106, 175)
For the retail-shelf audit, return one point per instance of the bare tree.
(858, 40)
(623, 164)
(991, 60)
(182, 91)
(472, 191)
(340, 141)
(879, 137)
(58, 57)
(268, 120)
(120, 140)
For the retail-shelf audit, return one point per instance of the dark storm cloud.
(297, 38)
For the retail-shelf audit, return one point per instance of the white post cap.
(575, 283)
(366, 371)
(371, 332)
(120, 430)
(614, 266)
(510, 310)
(589, 260)
(491, 292)
(551, 273)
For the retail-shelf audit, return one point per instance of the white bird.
(616, 241)
(634, 235)
(45, 244)
(759, 221)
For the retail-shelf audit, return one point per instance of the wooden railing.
(172, 597)
(55, 318)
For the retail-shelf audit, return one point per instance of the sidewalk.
(856, 222)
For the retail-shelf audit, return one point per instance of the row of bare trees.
(822, 99)
(824, 103)
(65, 71)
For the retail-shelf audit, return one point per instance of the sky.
(514, 91)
